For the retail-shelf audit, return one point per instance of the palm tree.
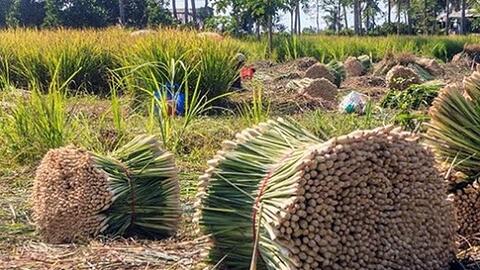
(463, 20)
(174, 9)
(409, 17)
(121, 8)
(356, 16)
(194, 14)
(346, 3)
(371, 10)
(399, 11)
(447, 18)
(298, 13)
(389, 11)
(186, 11)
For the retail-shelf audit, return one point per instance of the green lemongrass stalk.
(454, 131)
(143, 180)
(258, 110)
(273, 152)
(38, 122)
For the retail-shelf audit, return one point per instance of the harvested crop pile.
(470, 56)
(368, 200)
(390, 60)
(430, 65)
(69, 193)
(454, 134)
(143, 32)
(302, 64)
(366, 61)
(425, 68)
(472, 49)
(400, 78)
(338, 71)
(450, 131)
(77, 194)
(318, 88)
(467, 202)
(354, 67)
(211, 35)
(319, 71)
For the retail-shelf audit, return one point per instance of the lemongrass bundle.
(279, 198)
(133, 191)
(454, 134)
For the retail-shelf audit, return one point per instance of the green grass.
(28, 55)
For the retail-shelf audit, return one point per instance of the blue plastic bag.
(175, 98)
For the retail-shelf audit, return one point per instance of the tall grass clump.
(174, 103)
(292, 47)
(36, 122)
(36, 55)
(258, 110)
(213, 64)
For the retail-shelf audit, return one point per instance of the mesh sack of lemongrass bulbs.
(133, 191)
(278, 197)
(454, 134)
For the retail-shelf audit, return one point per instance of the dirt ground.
(275, 77)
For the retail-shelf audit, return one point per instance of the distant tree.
(333, 16)
(371, 10)
(174, 9)
(194, 14)
(357, 15)
(53, 10)
(32, 12)
(157, 14)
(4, 7)
(121, 11)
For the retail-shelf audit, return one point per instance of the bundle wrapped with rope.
(454, 134)
(132, 192)
(279, 197)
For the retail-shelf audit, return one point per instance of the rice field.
(98, 90)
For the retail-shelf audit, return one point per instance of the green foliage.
(414, 97)
(101, 13)
(212, 64)
(157, 15)
(258, 110)
(338, 70)
(291, 47)
(36, 123)
(227, 24)
(445, 49)
(52, 13)
(92, 54)
(157, 76)
(408, 102)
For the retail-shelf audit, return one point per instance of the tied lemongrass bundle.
(454, 134)
(279, 198)
(132, 192)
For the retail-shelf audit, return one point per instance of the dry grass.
(116, 254)
(472, 49)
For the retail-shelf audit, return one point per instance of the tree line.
(83, 13)
(373, 17)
